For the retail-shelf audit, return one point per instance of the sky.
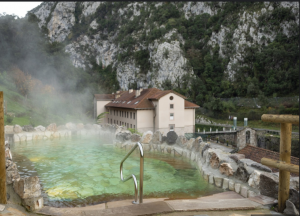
(18, 8)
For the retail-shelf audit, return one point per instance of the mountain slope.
(201, 49)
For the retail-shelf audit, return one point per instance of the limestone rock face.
(157, 137)
(171, 137)
(18, 129)
(135, 138)
(181, 140)
(147, 137)
(59, 19)
(61, 22)
(28, 187)
(40, 128)
(226, 169)
(52, 127)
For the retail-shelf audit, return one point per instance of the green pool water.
(81, 171)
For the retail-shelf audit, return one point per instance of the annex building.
(147, 109)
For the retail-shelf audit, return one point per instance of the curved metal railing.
(133, 176)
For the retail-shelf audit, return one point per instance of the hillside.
(201, 49)
(62, 53)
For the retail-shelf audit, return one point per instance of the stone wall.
(242, 140)
(222, 169)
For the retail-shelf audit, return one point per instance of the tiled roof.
(104, 96)
(190, 105)
(143, 101)
(161, 93)
(128, 100)
(256, 154)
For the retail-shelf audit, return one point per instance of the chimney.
(137, 93)
(130, 90)
(117, 96)
(118, 92)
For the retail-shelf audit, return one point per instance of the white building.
(148, 109)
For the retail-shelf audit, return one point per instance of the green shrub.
(292, 111)
(9, 119)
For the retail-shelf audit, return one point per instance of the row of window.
(122, 114)
(120, 123)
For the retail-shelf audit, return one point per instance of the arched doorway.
(247, 137)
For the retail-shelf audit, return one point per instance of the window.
(117, 112)
(133, 115)
(114, 112)
(127, 114)
(122, 113)
(171, 116)
(171, 106)
(134, 127)
(172, 127)
(171, 97)
(127, 125)
(130, 125)
(110, 121)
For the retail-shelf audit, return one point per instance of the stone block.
(28, 187)
(211, 179)
(251, 194)
(225, 185)
(237, 188)
(218, 181)
(171, 137)
(205, 176)
(147, 137)
(231, 185)
(244, 191)
(193, 156)
(290, 208)
(2, 207)
(32, 204)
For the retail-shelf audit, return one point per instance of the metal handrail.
(133, 176)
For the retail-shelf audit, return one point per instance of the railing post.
(141, 177)
(2, 155)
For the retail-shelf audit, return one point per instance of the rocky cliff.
(142, 48)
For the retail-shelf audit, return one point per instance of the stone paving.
(225, 203)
